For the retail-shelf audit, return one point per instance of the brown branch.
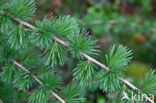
(23, 23)
(95, 61)
(38, 80)
(85, 55)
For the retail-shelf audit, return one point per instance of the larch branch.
(85, 55)
(38, 80)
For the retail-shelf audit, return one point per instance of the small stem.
(20, 66)
(23, 23)
(129, 84)
(88, 60)
(38, 80)
(59, 98)
(60, 41)
(95, 61)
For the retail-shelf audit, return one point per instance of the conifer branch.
(38, 80)
(103, 66)
(129, 84)
(95, 61)
(23, 22)
(85, 55)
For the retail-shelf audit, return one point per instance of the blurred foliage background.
(128, 22)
